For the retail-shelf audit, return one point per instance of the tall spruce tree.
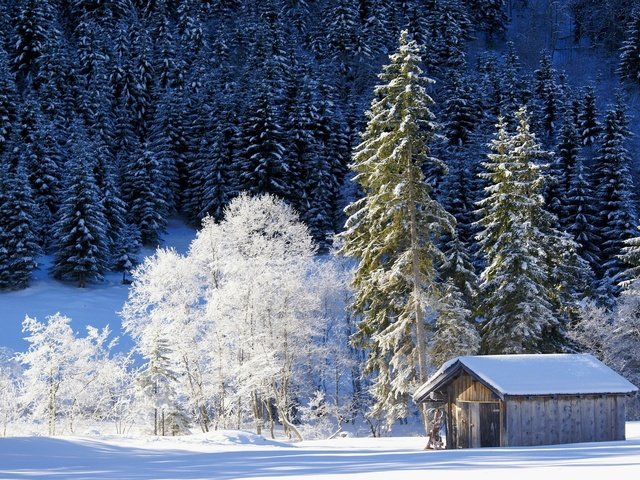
(546, 92)
(581, 216)
(561, 170)
(8, 99)
(18, 240)
(614, 198)
(588, 118)
(629, 68)
(392, 231)
(524, 253)
(80, 232)
(143, 190)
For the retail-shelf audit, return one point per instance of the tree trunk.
(52, 409)
(155, 421)
(271, 422)
(421, 335)
(257, 411)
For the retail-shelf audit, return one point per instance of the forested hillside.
(116, 114)
(485, 192)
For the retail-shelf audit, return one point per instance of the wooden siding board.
(601, 419)
(504, 439)
(551, 420)
(611, 416)
(538, 429)
(588, 424)
(576, 421)
(468, 389)
(621, 406)
(565, 420)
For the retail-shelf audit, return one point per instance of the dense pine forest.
(489, 204)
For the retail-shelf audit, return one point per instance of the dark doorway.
(490, 424)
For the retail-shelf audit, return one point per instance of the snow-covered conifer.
(391, 230)
(143, 191)
(18, 239)
(157, 381)
(580, 215)
(8, 100)
(629, 68)
(460, 112)
(456, 333)
(588, 119)
(263, 168)
(80, 235)
(617, 217)
(523, 251)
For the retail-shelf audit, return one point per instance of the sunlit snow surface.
(234, 455)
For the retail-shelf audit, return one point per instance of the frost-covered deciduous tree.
(234, 328)
(391, 231)
(613, 335)
(10, 390)
(60, 369)
(264, 303)
(162, 316)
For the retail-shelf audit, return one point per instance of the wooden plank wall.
(467, 389)
(564, 419)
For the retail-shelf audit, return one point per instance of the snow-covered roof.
(556, 374)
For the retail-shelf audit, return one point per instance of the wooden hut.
(520, 400)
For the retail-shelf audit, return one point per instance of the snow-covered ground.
(235, 455)
(98, 304)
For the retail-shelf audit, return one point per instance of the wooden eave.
(447, 376)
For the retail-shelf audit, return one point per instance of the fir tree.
(581, 215)
(333, 150)
(262, 167)
(515, 90)
(8, 100)
(391, 232)
(524, 253)
(218, 182)
(562, 168)
(459, 111)
(449, 26)
(613, 189)
(588, 119)
(546, 92)
(124, 250)
(461, 190)
(343, 33)
(143, 193)
(18, 240)
(33, 26)
(80, 232)
(157, 382)
(115, 209)
(629, 68)
(459, 271)
(456, 335)
(490, 16)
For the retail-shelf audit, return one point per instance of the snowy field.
(235, 455)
